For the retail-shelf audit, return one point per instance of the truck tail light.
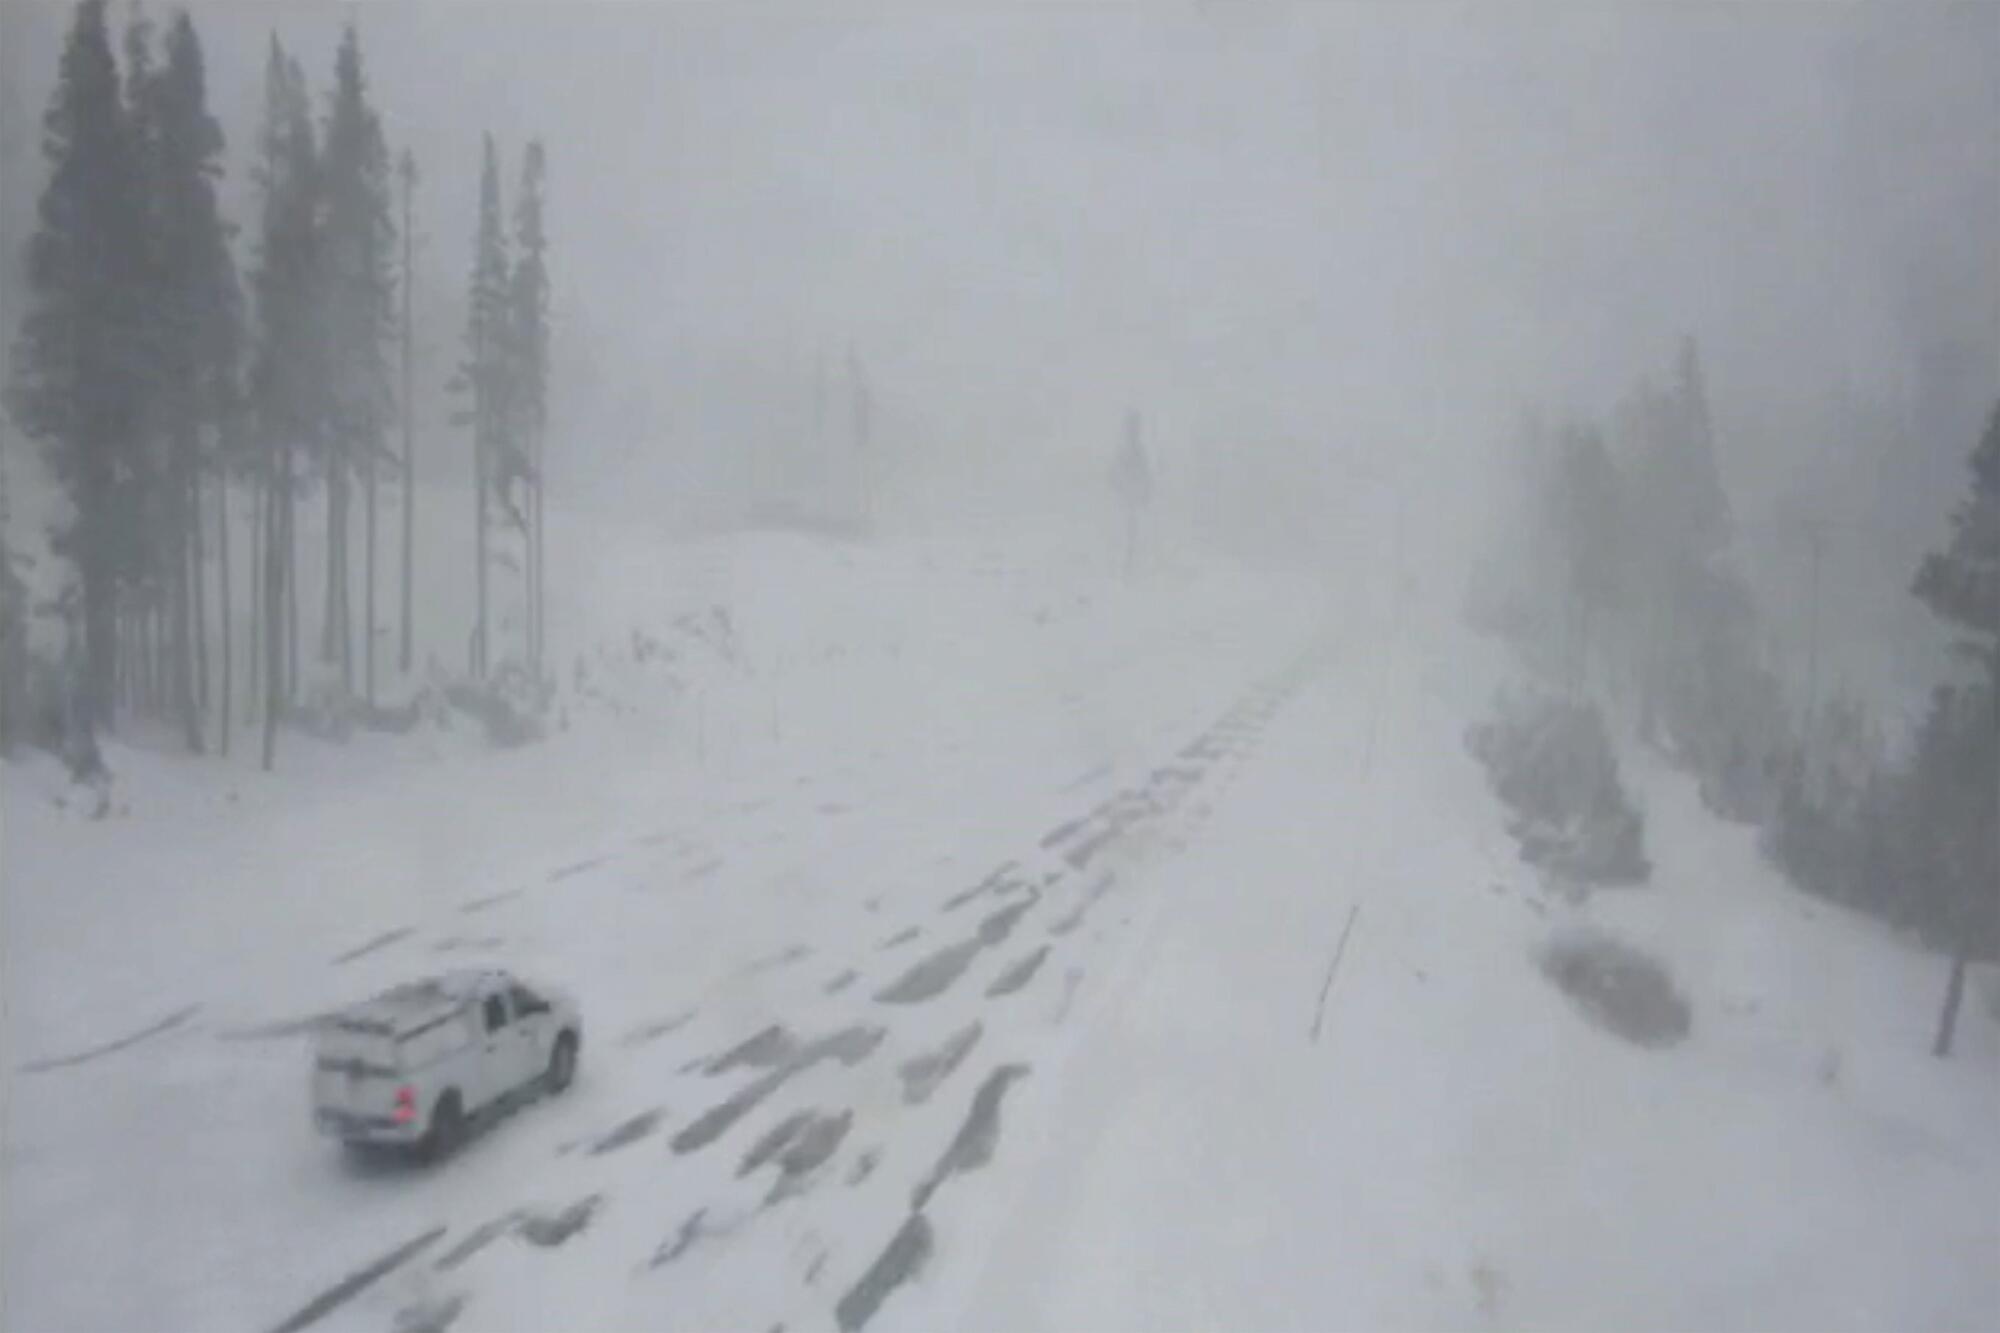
(406, 1105)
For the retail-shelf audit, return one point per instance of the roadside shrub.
(1619, 988)
(1550, 762)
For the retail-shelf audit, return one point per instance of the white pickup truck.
(416, 1064)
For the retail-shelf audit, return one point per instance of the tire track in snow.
(804, 1143)
(167, 1024)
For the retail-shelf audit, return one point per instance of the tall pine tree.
(406, 177)
(529, 380)
(483, 382)
(357, 295)
(287, 377)
(194, 319)
(1962, 585)
(78, 369)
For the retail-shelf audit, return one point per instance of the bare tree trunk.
(143, 699)
(346, 587)
(368, 576)
(260, 539)
(277, 552)
(539, 590)
(333, 611)
(286, 512)
(408, 174)
(1954, 992)
(179, 673)
(181, 629)
(479, 554)
(198, 580)
(222, 570)
(120, 657)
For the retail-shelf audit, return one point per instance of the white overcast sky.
(1332, 227)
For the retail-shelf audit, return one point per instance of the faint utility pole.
(406, 170)
(1815, 538)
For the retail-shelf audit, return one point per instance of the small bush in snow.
(1550, 761)
(509, 706)
(1618, 987)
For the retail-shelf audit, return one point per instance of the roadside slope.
(1458, 1147)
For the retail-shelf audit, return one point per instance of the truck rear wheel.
(447, 1129)
(562, 1062)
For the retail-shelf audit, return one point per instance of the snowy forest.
(187, 377)
(1621, 585)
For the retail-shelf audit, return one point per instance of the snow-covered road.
(810, 995)
(1006, 996)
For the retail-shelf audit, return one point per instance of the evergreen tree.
(14, 703)
(357, 293)
(529, 380)
(146, 530)
(1961, 584)
(77, 368)
(483, 380)
(406, 176)
(287, 378)
(196, 317)
(1586, 515)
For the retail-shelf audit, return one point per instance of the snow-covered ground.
(953, 923)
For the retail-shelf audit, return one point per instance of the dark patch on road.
(1074, 918)
(832, 808)
(809, 1150)
(167, 1024)
(1019, 975)
(841, 982)
(354, 1283)
(800, 1144)
(772, 1046)
(551, 1229)
(702, 871)
(849, 1046)
(630, 1132)
(930, 977)
(899, 938)
(382, 941)
(864, 1166)
(472, 905)
(902, 1259)
(576, 868)
(1081, 855)
(1061, 833)
(479, 1238)
(646, 1032)
(773, 1142)
(1094, 775)
(683, 1240)
(1000, 878)
(770, 962)
(430, 1316)
(995, 929)
(973, 1146)
(923, 1073)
